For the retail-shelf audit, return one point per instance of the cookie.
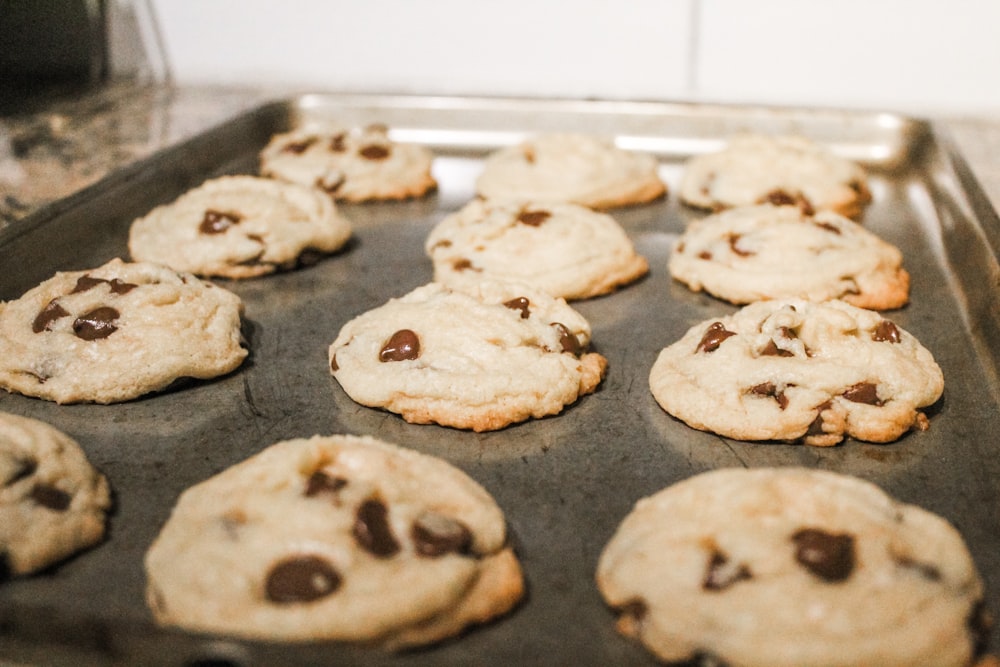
(756, 168)
(355, 165)
(53, 503)
(577, 168)
(785, 567)
(482, 360)
(117, 332)
(240, 227)
(567, 250)
(752, 253)
(797, 371)
(340, 538)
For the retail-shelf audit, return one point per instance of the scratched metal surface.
(564, 482)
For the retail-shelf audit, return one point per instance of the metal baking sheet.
(564, 482)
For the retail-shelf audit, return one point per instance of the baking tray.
(564, 482)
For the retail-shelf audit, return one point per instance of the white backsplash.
(905, 55)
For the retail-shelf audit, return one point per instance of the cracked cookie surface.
(498, 354)
(761, 252)
(577, 168)
(240, 227)
(53, 503)
(756, 168)
(350, 164)
(783, 567)
(797, 371)
(568, 250)
(117, 332)
(337, 537)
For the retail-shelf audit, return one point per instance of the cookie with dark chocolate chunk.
(53, 502)
(797, 371)
(339, 538)
(117, 332)
(784, 567)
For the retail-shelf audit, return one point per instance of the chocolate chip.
(772, 350)
(436, 534)
(721, 573)
(782, 198)
(301, 579)
(372, 530)
(320, 482)
(49, 314)
(533, 218)
(98, 323)
(337, 142)
(51, 497)
(298, 146)
(734, 240)
(217, 222)
(826, 226)
(816, 427)
(886, 332)
(333, 363)
(520, 303)
(828, 556)
(331, 182)
(117, 285)
(768, 389)
(862, 392)
(463, 264)
(374, 152)
(23, 469)
(569, 342)
(404, 345)
(705, 255)
(714, 335)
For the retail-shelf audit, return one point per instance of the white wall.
(907, 55)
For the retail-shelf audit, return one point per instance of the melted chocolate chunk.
(714, 335)
(772, 350)
(533, 218)
(721, 574)
(886, 332)
(816, 427)
(55, 499)
(49, 314)
(863, 392)
(782, 198)
(301, 579)
(372, 529)
(298, 146)
(734, 240)
(24, 468)
(826, 226)
(337, 143)
(520, 303)
(374, 152)
(926, 570)
(463, 264)
(331, 182)
(217, 222)
(768, 389)
(117, 285)
(705, 255)
(98, 323)
(404, 345)
(333, 363)
(828, 556)
(320, 482)
(569, 342)
(436, 534)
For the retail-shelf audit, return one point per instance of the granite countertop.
(48, 155)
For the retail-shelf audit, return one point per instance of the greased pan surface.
(564, 482)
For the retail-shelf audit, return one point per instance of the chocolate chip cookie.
(756, 168)
(498, 354)
(339, 537)
(353, 164)
(752, 253)
(117, 332)
(785, 567)
(240, 227)
(53, 503)
(578, 168)
(568, 250)
(797, 371)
